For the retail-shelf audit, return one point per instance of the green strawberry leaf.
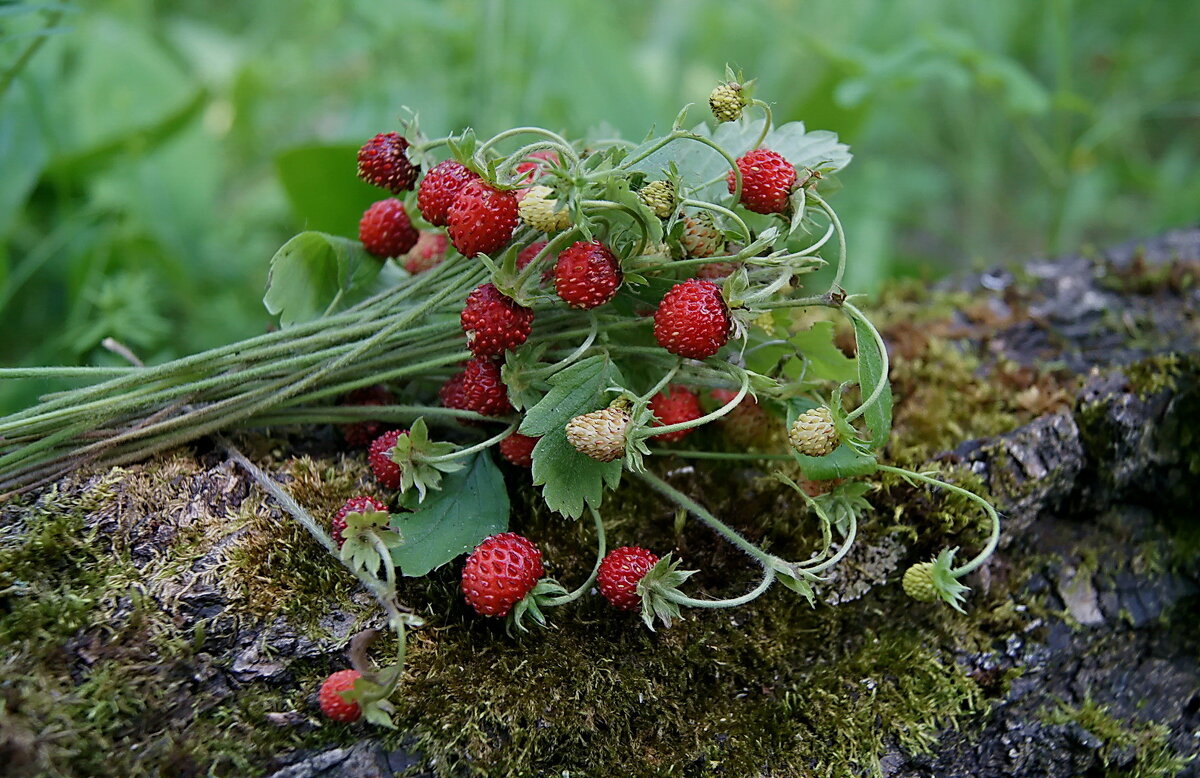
(312, 272)
(825, 360)
(870, 370)
(842, 462)
(472, 505)
(570, 480)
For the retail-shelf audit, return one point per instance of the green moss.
(1154, 374)
(1153, 755)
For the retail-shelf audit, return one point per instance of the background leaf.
(826, 360)
(471, 505)
(843, 462)
(310, 269)
(323, 190)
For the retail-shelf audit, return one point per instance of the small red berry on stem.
(532, 169)
(362, 504)
(620, 571)
(767, 180)
(385, 229)
(477, 388)
(386, 471)
(482, 219)
(494, 322)
(382, 161)
(330, 696)
(429, 252)
(518, 449)
(439, 187)
(675, 406)
(693, 320)
(529, 253)
(500, 571)
(587, 274)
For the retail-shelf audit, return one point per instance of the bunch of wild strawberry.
(578, 306)
(622, 297)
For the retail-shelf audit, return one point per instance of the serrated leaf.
(577, 389)
(825, 360)
(870, 370)
(308, 272)
(570, 480)
(472, 505)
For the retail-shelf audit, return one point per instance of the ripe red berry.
(692, 320)
(494, 322)
(439, 187)
(518, 449)
(620, 572)
(675, 406)
(385, 229)
(428, 253)
(481, 219)
(533, 169)
(767, 180)
(332, 704)
(353, 505)
(715, 271)
(587, 274)
(361, 433)
(477, 388)
(747, 425)
(500, 571)
(379, 456)
(382, 161)
(528, 253)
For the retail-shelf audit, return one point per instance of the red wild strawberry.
(587, 274)
(692, 320)
(477, 388)
(500, 571)
(428, 253)
(518, 449)
(481, 219)
(767, 180)
(620, 572)
(533, 169)
(715, 271)
(353, 505)
(332, 704)
(385, 229)
(361, 433)
(675, 406)
(494, 322)
(528, 253)
(439, 187)
(382, 162)
(379, 456)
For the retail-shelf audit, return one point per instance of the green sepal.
(798, 580)
(530, 606)
(357, 549)
(375, 709)
(945, 583)
(845, 503)
(410, 453)
(658, 582)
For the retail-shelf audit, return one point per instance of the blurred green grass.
(140, 196)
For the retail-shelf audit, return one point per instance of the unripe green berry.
(918, 582)
(700, 237)
(659, 196)
(537, 209)
(727, 102)
(600, 434)
(813, 433)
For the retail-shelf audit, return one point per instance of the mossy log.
(168, 619)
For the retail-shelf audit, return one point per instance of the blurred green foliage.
(148, 149)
